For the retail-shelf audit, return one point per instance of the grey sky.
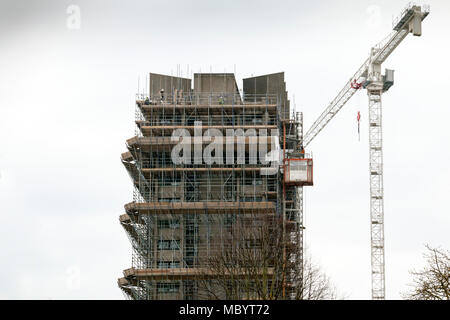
(66, 108)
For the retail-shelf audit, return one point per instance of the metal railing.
(213, 98)
(210, 120)
(425, 9)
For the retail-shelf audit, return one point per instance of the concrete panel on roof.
(215, 83)
(265, 84)
(168, 83)
(271, 84)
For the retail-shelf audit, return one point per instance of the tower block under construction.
(210, 165)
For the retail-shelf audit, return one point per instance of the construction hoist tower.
(370, 77)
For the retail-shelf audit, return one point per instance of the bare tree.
(433, 281)
(257, 258)
(315, 285)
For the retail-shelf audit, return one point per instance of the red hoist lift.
(298, 171)
(298, 167)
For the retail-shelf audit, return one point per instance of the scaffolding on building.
(183, 214)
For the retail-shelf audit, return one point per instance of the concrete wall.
(215, 83)
(269, 84)
(168, 83)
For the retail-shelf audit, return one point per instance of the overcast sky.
(67, 107)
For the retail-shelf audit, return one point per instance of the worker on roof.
(302, 153)
(147, 101)
(221, 101)
(161, 92)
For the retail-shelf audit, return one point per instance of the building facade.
(209, 167)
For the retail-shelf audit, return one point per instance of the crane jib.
(409, 22)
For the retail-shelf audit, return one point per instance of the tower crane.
(370, 78)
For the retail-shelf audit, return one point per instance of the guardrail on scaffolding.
(211, 98)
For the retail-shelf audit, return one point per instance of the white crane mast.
(369, 77)
(374, 91)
